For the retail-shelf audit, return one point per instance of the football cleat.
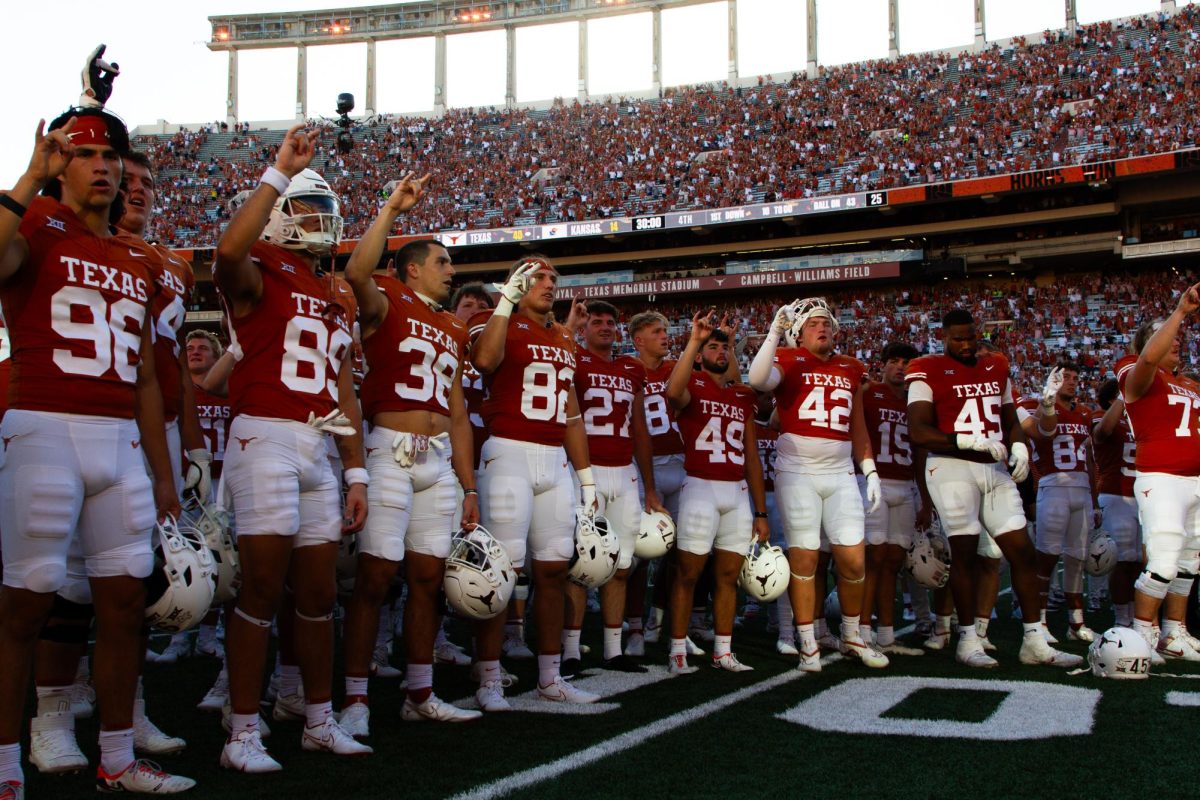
(245, 753)
(809, 661)
(210, 646)
(332, 738)
(355, 720)
(938, 640)
(142, 777)
(678, 665)
(693, 649)
(622, 663)
(514, 647)
(1081, 634)
(264, 730)
(490, 697)
(1035, 650)
(560, 691)
(973, 656)
(829, 642)
(868, 654)
(434, 709)
(702, 634)
(653, 631)
(897, 649)
(147, 738)
(729, 662)
(635, 645)
(507, 679)
(12, 790)
(447, 652)
(178, 648)
(786, 648)
(1175, 645)
(987, 645)
(289, 707)
(83, 697)
(381, 664)
(217, 696)
(52, 745)
(1048, 636)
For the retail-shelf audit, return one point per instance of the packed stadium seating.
(1107, 91)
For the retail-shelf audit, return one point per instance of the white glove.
(1054, 382)
(518, 283)
(587, 491)
(198, 477)
(982, 444)
(1018, 462)
(334, 422)
(234, 350)
(97, 79)
(874, 492)
(406, 447)
(785, 317)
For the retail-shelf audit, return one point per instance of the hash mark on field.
(606, 684)
(1185, 699)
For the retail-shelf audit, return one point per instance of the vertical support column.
(301, 82)
(733, 47)
(980, 26)
(231, 99)
(370, 109)
(812, 39)
(893, 28)
(583, 60)
(656, 43)
(1168, 6)
(1072, 22)
(439, 74)
(510, 68)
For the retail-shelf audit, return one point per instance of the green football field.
(924, 727)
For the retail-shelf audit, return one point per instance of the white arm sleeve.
(919, 391)
(764, 375)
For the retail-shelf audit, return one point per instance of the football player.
(723, 505)
(85, 405)
(960, 409)
(768, 438)
(891, 526)
(1115, 451)
(203, 350)
(1164, 413)
(818, 395)
(419, 449)
(1067, 495)
(291, 387)
(528, 363)
(610, 392)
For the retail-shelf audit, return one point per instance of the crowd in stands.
(1106, 91)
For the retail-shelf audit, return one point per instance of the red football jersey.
(1062, 459)
(1115, 460)
(293, 342)
(5, 365)
(215, 415)
(887, 424)
(413, 356)
(665, 438)
(815, 397)
(473, 387)
(1165, 422)
(966, 399)
(606, 390)
(75, 312)
(714, 426)
(175, 281)
(767, 438)
(527, 394)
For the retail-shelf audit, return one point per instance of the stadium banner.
(716, 283)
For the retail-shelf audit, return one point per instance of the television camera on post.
(345, 104)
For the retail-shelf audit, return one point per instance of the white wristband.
(356, 475)
(504, 307)
(585, 476)
(275, 179)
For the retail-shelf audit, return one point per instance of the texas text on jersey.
(293, 343)
(887, 424)
(814, 397)
(417, 373)
(214, 415)
(967, 399)
(665, 438)
(606, 390)
(1061, 460)
(76, 320)
(714, 425)
(767, 439)
(527, 394)
(1165, 421)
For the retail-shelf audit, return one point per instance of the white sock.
(489, 671)
(570, 644)
(548, 669)
(966, 633)
(419, 677)
(315, 714)
(82, 672)
(850, 627)
(612, 642)
(1032, 628)
(822, 627)
(679, 647)
(1043, 616)
(657, 616)
(356, 687)
(885, 635)
(1143, 627)
(289, 680)
(1170, 626)
(242, 722)
(808, 637)
(942, 624)
(722, 646)
(635, 625)
(10, 763)
(116, 750)
(1075, 617)
(981, 626)
(52, 698)
(864, 633)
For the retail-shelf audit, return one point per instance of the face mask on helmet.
(806, 309)
(306, 217)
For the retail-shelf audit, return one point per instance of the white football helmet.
(833, 605)
(213, 524)
(1102, 554)
(479, 574)
(929, 560)
(306, 217)
(806, 309)
(766, 573)
(597, 551)
(1120, 653)
(656, 536)
(180, 590)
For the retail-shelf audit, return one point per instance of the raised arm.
(1159, 346)
(677, 392)
(51, 152)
